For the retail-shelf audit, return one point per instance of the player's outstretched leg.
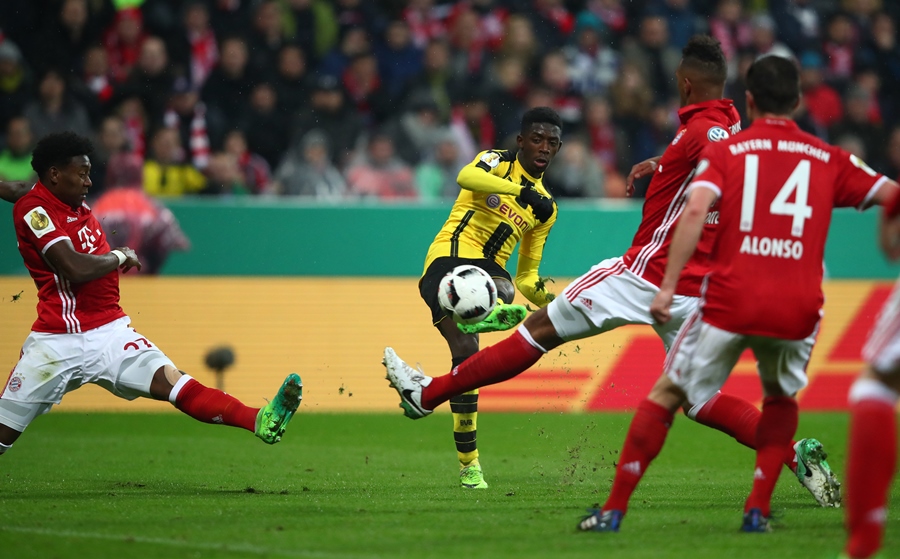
(272, 420)
(815, 474)
(503, 317)
(408, 383)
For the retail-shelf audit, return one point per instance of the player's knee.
(505, 290)
(170, 374)
(667, 394)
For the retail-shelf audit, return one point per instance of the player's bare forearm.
(78, 267)
(478, 180)
(11, 191)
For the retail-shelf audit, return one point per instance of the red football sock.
(870, 469)
(491, 365)
(645, 439)
(776, 428)
(214, 406)
(738, 418)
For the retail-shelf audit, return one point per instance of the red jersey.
(701, 124)
(42, 220)
(777, 186)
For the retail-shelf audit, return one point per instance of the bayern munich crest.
(493, 201)
(15, 384)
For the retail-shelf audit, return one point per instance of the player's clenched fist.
(541, 206)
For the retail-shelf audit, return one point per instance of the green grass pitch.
(141, 486)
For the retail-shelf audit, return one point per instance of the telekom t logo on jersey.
(87, 238)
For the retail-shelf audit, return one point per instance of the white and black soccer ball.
(468, 294)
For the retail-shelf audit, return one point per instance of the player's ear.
(751, 104)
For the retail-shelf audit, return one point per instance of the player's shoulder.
(32, 199)
(491, 159)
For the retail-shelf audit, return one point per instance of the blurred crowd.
(343, 99)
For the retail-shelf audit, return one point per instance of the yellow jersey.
(488, 220)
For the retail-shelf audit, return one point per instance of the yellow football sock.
(465, 421)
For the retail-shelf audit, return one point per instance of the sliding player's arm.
(12, 191)
(528, 280)
(889, 228)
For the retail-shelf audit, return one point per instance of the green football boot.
(815, 474)
(503, 317)
(272, 420)
(471, 477)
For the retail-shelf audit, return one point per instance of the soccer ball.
(468, 294)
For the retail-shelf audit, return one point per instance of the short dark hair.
(543, 115)
(774, 82)
(56, 150)
(704, 53)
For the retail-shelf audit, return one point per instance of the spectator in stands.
(151, 79)
(267, 37)
(468, 49)
(508, 85)
(881, 51)
(839, 49)
(165, 171)
(354, 41)
(266, 130)
(552, 23)
(360, 13)
(437, 78)
(228, 87)
(96, 86)
(425, 20)
(435, 177)
(123, 41)
(291, 81)
(366, 91)
(472, 124)
(399, 59)
(579, 175)
(652, 55)
(15, 160)
(187, 115)
(327, 112)
(256, 172)
(112, 142)
(194, 46)
(857, 122)
(15, 82)
(554, 77)
(64, 39)
(765, 38)
(613, 16)
(134, 118)
(224, 176)
(731, 27)
(797, 23)
(519, 41)
(307, 170)
(55, 110)
(604, 139)
(378, 173)
(592, 66)
(416, 131)
(681, 17)
(631, 99)
(132, 218)
(822, 101)
(312, 25)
